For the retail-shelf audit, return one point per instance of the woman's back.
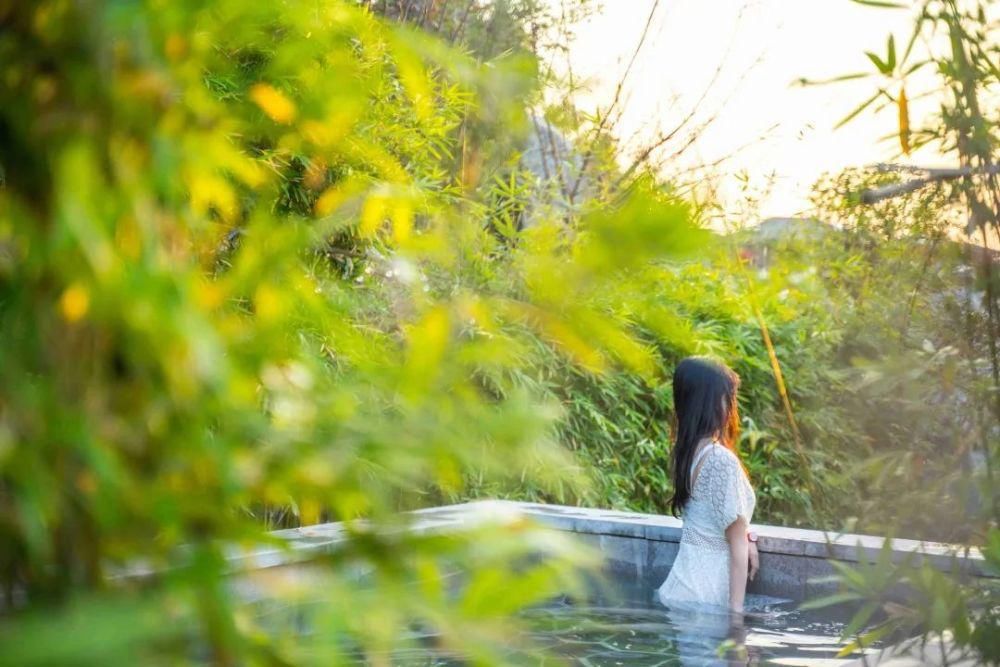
(720, 494)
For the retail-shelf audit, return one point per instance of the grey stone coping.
(772, 539)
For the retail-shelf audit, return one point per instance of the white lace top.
(720, 495)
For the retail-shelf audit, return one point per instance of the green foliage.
(617, 423)
(895, 383)
(239, 271)
(285, 263)
(901, 600)
(928, 364)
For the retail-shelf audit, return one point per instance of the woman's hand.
(754, 559)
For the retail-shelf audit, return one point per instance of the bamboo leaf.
(836, 79)
(857, 110)
(916, 66)
(860, 619)
(880, 65)
(829, 601)
(866, 639)
(884, 4)
(912, 41)
(851, 574)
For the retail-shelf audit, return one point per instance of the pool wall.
(643, 546)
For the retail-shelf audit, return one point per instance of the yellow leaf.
(330, 132)
(209, 294)
(414, 77)
(248, 171)
(268, 303)
(449, 476)
(904, 122)
(74, 302)
(212, 191)
(427, 341)
(557, 331)
(402, 220)
(273, 102)
(309, 512)
(175, 46)
(336, 195)
(372, 215)
(571, 343)
(476, 313)
(387, 166)
(127, 238)
(352, 503)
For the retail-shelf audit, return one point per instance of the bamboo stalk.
(779, 378)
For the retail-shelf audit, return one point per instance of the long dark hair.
(704, 407)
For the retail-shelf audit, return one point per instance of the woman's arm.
(754, 559)
(739, 554)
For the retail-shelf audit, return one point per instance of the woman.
(711, 490)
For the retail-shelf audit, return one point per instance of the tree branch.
(874, 195)
(602, 123)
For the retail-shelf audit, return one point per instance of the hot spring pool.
(628, 627)
(620, 622)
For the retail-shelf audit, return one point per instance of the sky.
(776, 137)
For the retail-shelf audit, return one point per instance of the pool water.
(627, 627)
(619, 622)
(637, 633)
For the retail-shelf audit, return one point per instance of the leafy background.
(265, 266)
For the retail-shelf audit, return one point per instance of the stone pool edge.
(644, 545)
(781, 540)
(776, 540)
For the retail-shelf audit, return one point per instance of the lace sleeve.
(728, 490)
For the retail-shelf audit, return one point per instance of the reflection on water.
(650, 635)
(627, 626)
